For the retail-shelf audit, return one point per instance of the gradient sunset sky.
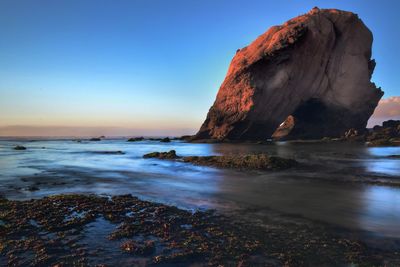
(148, 67)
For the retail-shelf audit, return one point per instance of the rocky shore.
(88, 230)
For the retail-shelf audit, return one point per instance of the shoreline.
(136, 231)
(327, 205)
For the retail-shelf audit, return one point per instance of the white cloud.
(387, 109)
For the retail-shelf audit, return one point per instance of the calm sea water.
(328, 187)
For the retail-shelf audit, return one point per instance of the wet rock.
(185, 137)
(136, 139)
(95, 139)
(384, 142)
(267, 83)
(53, 231)
(162, 155)
(33, 188)
(251, 161)
(284, 128)
(129, 246)
(165, 140)
(147, 248)
(391, 124)
(118, 152)
(386, 135)
(354, 135)
(19, 148)
(351, 133)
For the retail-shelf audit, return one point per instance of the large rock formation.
(311, 75)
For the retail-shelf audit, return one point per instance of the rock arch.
(314, 70)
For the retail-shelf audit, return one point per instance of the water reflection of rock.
(321, 191)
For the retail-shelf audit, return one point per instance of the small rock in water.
(19, 148)
(118, 152)
(248, 161)
(129, 246)
(386, 135)
(33, 188)
(165, 140)
(162, 155)
(135, 139)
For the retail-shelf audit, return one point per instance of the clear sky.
(145, 66)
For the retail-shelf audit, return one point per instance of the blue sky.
(146, 64)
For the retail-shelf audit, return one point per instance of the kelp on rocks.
(248, 161)
(53, 231)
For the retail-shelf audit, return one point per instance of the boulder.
(386, 135)
(162, 155)
(310, 75)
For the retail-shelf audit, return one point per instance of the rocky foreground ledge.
(81, 230)
(247, 162)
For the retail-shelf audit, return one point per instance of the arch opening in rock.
(314, 120)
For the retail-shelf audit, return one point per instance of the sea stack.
(308, 78)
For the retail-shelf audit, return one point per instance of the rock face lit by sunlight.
(275, 77)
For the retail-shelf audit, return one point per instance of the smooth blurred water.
(326, 187)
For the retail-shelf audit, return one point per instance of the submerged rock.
(19, 148)
(33, 188)
(310, 75)
(118, 152)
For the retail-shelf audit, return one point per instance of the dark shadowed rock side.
(387, 134)
(311, 75)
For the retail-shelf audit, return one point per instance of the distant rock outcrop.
(386, 135)
(310, 75)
